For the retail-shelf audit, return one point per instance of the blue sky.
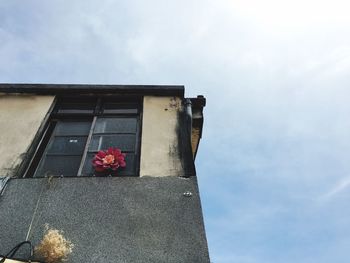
(273, 164)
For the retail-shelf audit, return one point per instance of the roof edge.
(57, 89)
(198, 102)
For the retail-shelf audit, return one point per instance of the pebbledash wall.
(155, 217)
(21, 116)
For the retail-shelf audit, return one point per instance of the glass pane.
(70, 145)
(121, 108)
(72, 128)
(115, 125)
(58, 166)
(120, 111)
(81, 108)
(88, 169)
(124, 142)
(129, 170)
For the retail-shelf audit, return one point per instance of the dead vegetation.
(54, 247)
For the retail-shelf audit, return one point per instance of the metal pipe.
(186, 139)
(188, 106)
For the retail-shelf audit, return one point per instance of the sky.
(273, 164)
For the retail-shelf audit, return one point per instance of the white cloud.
(291, 15)
(339, 187)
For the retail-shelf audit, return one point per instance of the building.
(149, 212)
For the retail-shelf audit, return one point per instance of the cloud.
(337, 189)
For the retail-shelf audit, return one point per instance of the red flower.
(112, 159)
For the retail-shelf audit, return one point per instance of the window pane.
(58, 165)
(116, 125)
(62, 154)
(124, 142)
(81, 108)
(72, 128)
(69, 145)
(129, 170)
(121, 108)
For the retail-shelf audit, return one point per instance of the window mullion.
(86, 147)
(98, 109)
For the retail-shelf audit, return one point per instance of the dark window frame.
(46, 132)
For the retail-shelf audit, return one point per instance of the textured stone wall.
(109, 219)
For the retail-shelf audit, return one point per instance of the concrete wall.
(159, 143)
(20, 119)
(109, 219)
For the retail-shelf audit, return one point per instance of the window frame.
(47, 131)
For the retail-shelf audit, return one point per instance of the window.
(79, 128)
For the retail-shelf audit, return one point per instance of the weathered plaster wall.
(159, 144)
(20, 118)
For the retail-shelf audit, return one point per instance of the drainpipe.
(188, 106)
(186, 140)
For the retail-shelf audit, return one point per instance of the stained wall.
(160, 154)
(20, 119)
(22, 115)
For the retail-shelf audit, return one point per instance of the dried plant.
(54, 247)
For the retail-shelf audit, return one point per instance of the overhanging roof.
(57, 89)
